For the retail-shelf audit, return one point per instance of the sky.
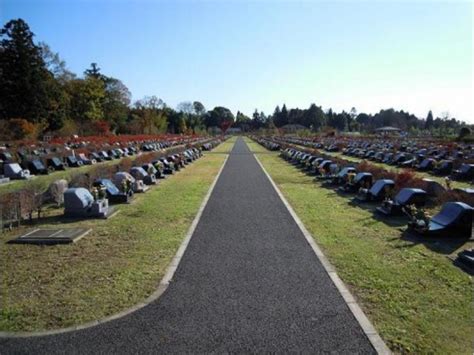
(247, 55)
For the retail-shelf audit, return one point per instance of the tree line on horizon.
(38, 94)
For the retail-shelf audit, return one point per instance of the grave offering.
(314, 166)
(160, 168)
(453, 221)
(150, 169)
(309, 163)
(123, 180)
(331, 173)
(342, 176)
(177, 161)
(380, 190)
(51, 236)
(168, 166)
(37, 167)
(362, 180)
(140, 174)
(323, 168)
(79, 203)
(15, 172)
(406, 196)
(114, 195)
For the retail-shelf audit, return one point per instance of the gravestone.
(122, 177)
(433, 188)
(79, 202)
(114, 195)
(140, 174)
(14, 171)
(37, 167)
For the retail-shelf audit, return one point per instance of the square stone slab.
(51, 236)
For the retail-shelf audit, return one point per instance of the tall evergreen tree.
(283, 116)
(23, 74)
(429, 120)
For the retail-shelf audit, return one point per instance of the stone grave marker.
(51, 236)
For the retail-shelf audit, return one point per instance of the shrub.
(408, 178)
(31, 200)
(125, 164)
(80, 180)
(454, 196)
(377, 172)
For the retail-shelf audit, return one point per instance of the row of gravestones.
(82, 203)
(438, 160)
(454, 221)
(97, 150)
(426, 147)
(119, 188)
(11, 170)
(20, 164)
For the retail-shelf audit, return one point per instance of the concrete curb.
(163, 285)
(367, 327)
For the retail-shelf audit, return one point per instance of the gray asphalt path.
(248, 282)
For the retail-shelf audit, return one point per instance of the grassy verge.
(421, 174)
(416, 298)
(115, 267)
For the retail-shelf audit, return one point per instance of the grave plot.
(51, 236)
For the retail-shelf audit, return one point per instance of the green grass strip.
(116, 266)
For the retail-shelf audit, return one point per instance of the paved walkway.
(248, 282)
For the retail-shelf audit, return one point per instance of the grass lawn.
(114, 267)
(416, 298)
(421, 174)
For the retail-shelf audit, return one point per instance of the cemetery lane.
(248, 282)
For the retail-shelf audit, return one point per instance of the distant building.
(388, 130)
(292, 128)
(234, 130)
